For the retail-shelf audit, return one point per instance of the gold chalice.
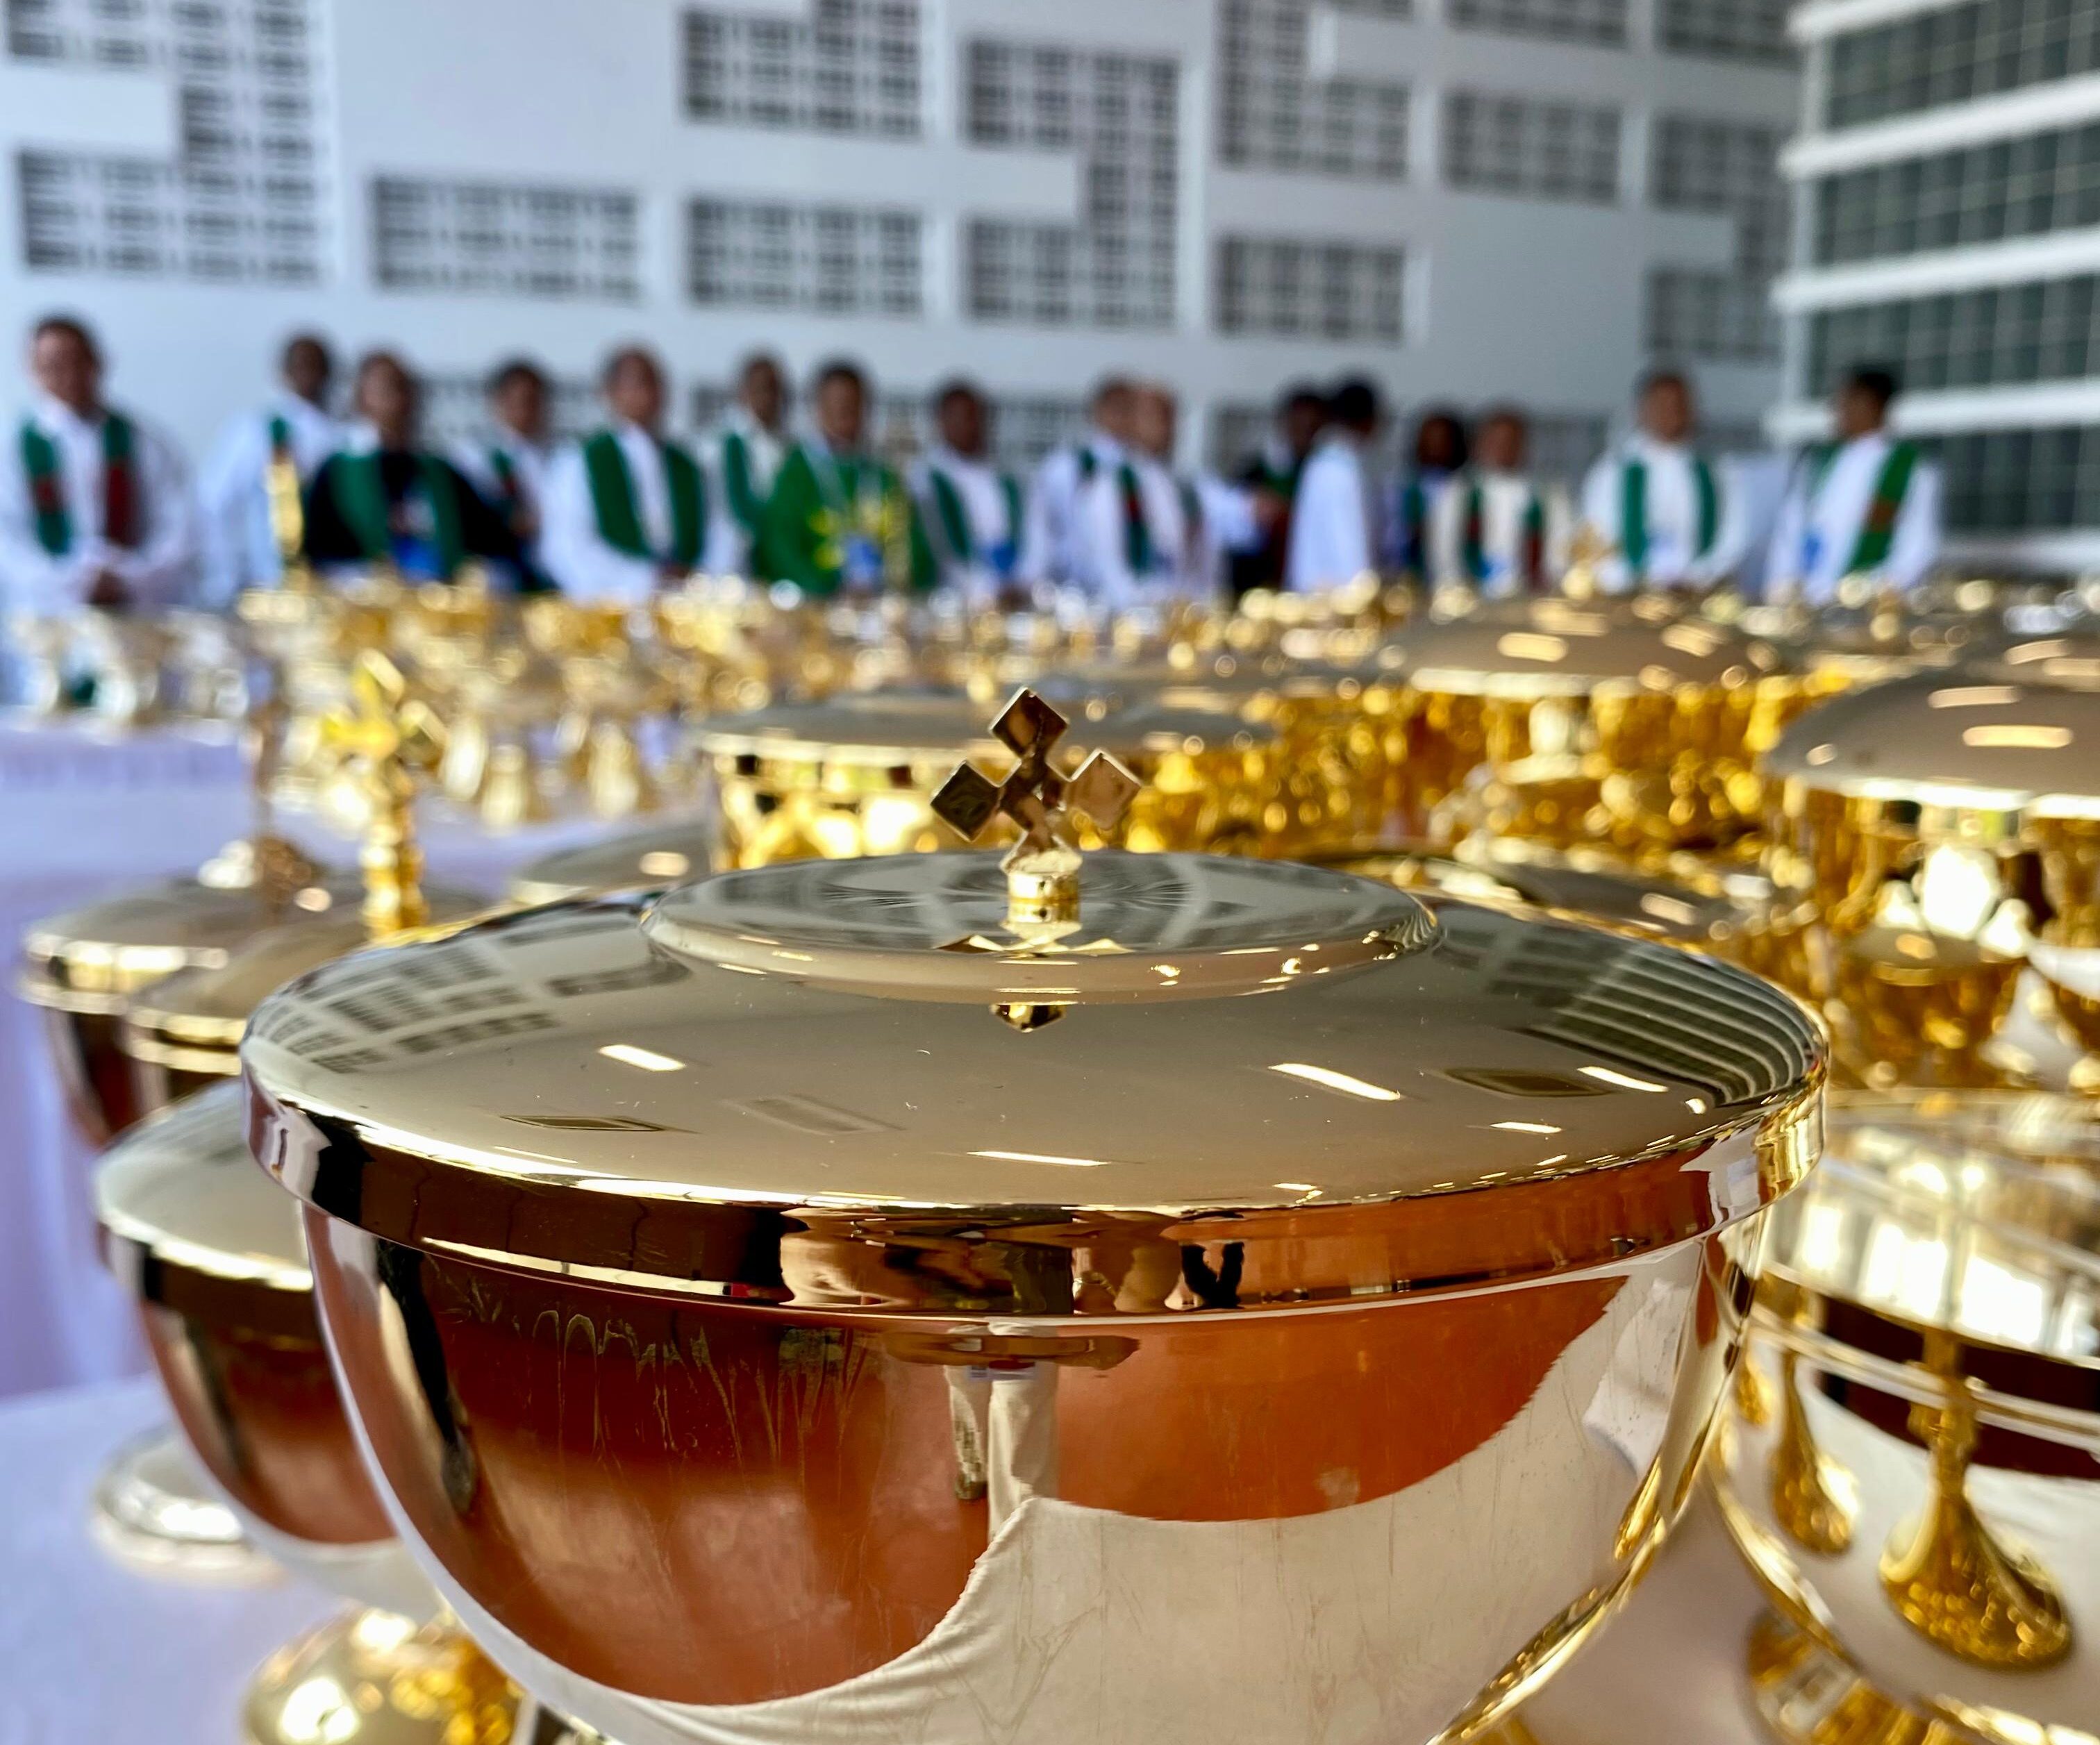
(1122, 1296)
(1912, 1468)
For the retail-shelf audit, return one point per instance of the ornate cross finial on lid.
(387, 737)
(1043, 871)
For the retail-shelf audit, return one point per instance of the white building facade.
(1947, 214)
(1467, 200)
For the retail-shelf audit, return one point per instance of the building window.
(849, 67)
(1697, 312)
(1310, 290)
(1597, 21)
(1739, 30)
(1114, 268)
(1272, 115)
(1564, 446)
(506, 239)
(1730, 170)
(1955, 53)
(2014, 482)
(828, 259)
(1530, 146)
(1977, 194)
(246, 199)
(1997, 336)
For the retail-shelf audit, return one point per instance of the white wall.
(1505, 296)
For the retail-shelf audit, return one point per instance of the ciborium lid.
(1534, 649)
(92, 957)
(181, 1191)
(902, 727)
(669, 852)
(672, 1093)
(1976, 1215)
(1979, 740)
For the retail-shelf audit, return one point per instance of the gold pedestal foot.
(154, 1511)
(1805, 1695)
(373, 1678)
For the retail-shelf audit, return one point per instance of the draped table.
(85, 815)
(92, 1652)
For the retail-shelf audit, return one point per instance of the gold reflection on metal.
(1815, 1500)
(384, 736)
(372, 1678)
(1945, 1573)
(1805, 1695)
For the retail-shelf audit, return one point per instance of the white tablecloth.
(83, 818)
(91, 1652)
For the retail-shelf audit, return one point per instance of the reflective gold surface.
(668, 852)
(84, 966)
(856, 775)
(1567, 722)
(1005, 1370)
(154, 1511)
(373, 1678)
(1933, 1306)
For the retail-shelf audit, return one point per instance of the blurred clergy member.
(385, 502)
(509, 466)
(974, 512)
(1075, 529)
(1335, 523)
(1497, 530)
(626, 507)
(1193, 521)
(1272, 472)
(95, 507)
(1440, 457)
(279, 445)
(746, 454)
(839, 520)
(1664, 511)
(1866, 506)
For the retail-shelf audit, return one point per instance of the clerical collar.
(1654, 448)
(58, 418)
(364, 440)
(626, 427)
(745, 421)
(1104, 446)
(953, 460)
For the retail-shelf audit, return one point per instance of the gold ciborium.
(856, 775)
(1912, 1468)
(212, 1250)
(1938, 822)
(1617, 722)
(1127, 1296)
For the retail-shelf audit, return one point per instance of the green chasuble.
(619, 516)
(833, 517)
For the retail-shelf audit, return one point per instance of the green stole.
(120, 486)
(1136, 531)
(1475, 537)
(360, 498)
(613, 501)
(1632, 512)
(1877, 533)
(955, 519)
(280, 437)
(747, 502)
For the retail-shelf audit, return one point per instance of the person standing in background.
(1498, 531)
(975, 513)
(385, 502)
(1075, 525)
(269, 454)
(1198, 520)
(1272, 471)
(1335, 523)
(508, 466)
(1866, 506)
(839, 520)
(96, 507)
(745, 455)
(626, 507)
(1663, 511)
(1439, 456)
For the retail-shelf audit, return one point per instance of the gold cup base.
(374, 1678)
(153, 1511)
(1805, 1695)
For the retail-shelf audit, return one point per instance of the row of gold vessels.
(560, 1163)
